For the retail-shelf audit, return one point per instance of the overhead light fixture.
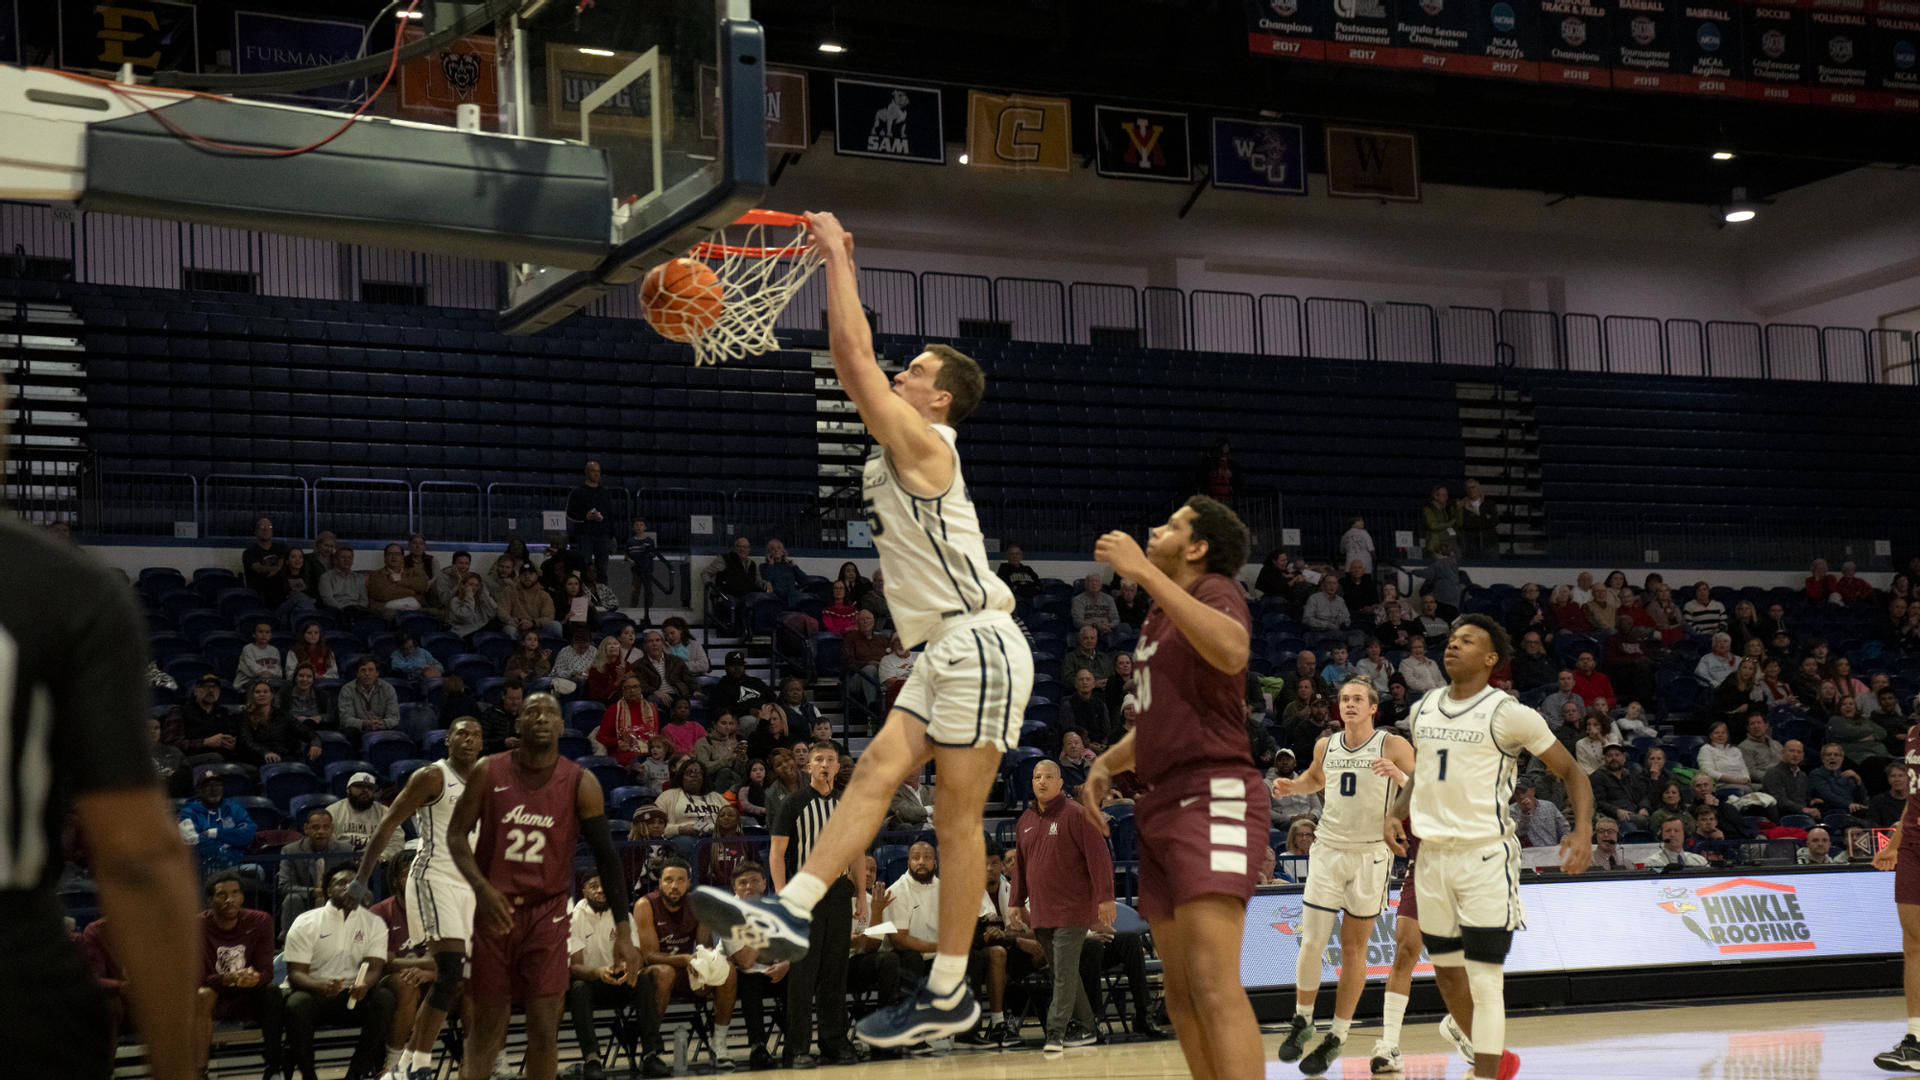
(1739, 209)
(413, 14)
(830, 47)
(1723, 155)
(963, 159)
(597, 52)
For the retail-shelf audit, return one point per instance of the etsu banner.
(267, 41)
(152, 35)
(1019, 133)
(886, 120)
(1141, 144)
(1259, 155)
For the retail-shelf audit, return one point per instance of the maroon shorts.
(528, 961)
(1202, 834)
(1906, 876)
(1409, 906)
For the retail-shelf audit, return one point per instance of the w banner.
(1141, 144)
(1019, 133)
(152, 35)
(265, 41)
(882, 120)
(1256, 155)
(1368, 164)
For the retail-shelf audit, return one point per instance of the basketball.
(682, 299)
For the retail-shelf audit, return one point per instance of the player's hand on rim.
(1122, 552)
(829, 235)
(1576, 852)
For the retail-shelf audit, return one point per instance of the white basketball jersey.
(1466, 759)
(432, 822)
(1356, 799)
(931, 549)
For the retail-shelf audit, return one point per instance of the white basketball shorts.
(1353, 880)
(438, 908)
(971, 683)
(1475, 885)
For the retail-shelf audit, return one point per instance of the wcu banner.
(1258, 155)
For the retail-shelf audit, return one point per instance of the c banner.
(1370, 164)
(1141, 144)
(1019, 133)
(885, 120)
(268, 41)
(152, 35)
(1259, 155)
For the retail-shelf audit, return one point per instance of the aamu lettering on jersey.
(519, 816)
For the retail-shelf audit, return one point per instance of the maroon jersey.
(678, 931)
(1191, 715)
(529, 828)
(1910, 817)
(723, 858)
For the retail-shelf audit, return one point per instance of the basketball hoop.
(761, 261)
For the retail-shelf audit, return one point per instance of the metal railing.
(118, 250)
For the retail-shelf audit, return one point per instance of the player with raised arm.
(1350, 862)
(962, 707)
(1902, 856)
(1467, 739)
(439, 900)
(530, 807)
(1203, 817)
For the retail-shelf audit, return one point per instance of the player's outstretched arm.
(1576, 851)
(1314, 779)
(892, 422)
(422, 787)
(1221, 640)
(145, 879)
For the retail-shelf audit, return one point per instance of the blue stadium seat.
(283, 781)
(574, 746)
(383, 748)
(304, 804)
(400, 771)
(338, 773)
(436, 744)
(608, 771)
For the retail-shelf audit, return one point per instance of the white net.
(761, 260)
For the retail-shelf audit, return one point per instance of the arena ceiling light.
(1723, 155)
(1738, 208)
(598, 52)
(830, 47)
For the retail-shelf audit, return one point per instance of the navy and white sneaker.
(1904, 1057)
(918, 1018)
(762, 923)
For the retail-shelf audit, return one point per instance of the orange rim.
(707, 249)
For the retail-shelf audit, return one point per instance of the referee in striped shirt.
(821, 975)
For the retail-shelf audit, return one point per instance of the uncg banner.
(1259, 155)
(1019, 132)
(1141, 144)
(152, 35)
(266, 41)
(887, 120)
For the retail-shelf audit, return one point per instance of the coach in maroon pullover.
(1065, 875)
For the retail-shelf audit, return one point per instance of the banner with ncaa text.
(1141, 144)
(1259, 155)
(267, 41)
(152, 35)
(1019, 133)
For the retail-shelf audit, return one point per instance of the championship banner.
(884, 120)
(789, 127)
(267, 41)
(1370, 164)
(1259, 155)
(1837, 53)
(9, 32)
(1503, 40)
(1019, 133)
(152, 35)
(1775, 54)
(465, 72)
(1892, 68)
(1141, 144)
(1295, 29)
(1643, 44)
(1431, 34)
(1362, 33)
(1576, 38)
(1707, 43)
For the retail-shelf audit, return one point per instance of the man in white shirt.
(334, 958)
(600, 982)
(1420, 673)
(1714, 667)
(913, 906)
(1673, 848)
(1582, 588)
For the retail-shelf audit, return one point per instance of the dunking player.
(1902, 856)
(73, 712)
(439, 900)
(963, 705)
(1467, 739)
(531, 807)
(1350, 863)
(1203, 815)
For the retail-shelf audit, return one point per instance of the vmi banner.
(885, 120)
(1141, 144)
(1369, 164)
(152, 35)
(1259, 155)
(1019, 132)
(268, 41)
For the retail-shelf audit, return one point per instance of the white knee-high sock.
(1395, 1014)
(1316, 929)
(802, 892)
(1487, 982)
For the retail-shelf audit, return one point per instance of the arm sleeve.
(1517, 726)
(613, 878)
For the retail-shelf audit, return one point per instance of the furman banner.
(1371, 164)
(152, 35)
(1603, 923)
(1259, 155)
(1141, 144)
(885, 120)
(1019, 132)
(268, 41)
